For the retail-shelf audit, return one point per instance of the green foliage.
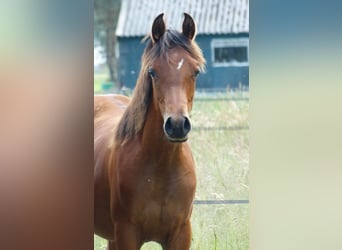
(106, 15)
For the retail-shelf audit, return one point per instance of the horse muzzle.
(177, 129)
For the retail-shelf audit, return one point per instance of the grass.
(222, 166)
(101, 80)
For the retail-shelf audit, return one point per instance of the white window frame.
(229, 42)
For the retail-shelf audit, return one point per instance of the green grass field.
(99, 78)
(222, 166)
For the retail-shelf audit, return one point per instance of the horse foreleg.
(111, 246)
(180, 239)
(127, 237)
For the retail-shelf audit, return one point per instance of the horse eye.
(196, 73)
(151, 73)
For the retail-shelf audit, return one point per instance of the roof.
(211, 16)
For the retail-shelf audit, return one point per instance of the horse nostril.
(168, 126)
(177, 129)
(187, 125)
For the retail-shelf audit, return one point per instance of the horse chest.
(157, 194)
(162, 203)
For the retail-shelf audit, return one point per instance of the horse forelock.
(134, 117)
(172, 39)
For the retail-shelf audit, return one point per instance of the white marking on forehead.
(180, 64)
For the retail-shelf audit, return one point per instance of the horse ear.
(158, 28)
(189, 27)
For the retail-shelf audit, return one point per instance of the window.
(230, 52)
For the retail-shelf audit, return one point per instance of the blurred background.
(219, 139)
(294, 99)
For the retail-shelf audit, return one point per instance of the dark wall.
(131, 50)
(220, 77)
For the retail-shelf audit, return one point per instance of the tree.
(106, 14)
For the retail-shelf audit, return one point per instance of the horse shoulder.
(109, 103)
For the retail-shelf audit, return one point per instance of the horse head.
(173, 75)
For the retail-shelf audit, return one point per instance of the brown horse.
(144, 170)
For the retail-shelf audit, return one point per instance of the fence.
(219, 202)
(205, 95)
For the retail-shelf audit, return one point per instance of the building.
(222, 34)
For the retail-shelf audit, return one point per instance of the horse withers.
(144, 170)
